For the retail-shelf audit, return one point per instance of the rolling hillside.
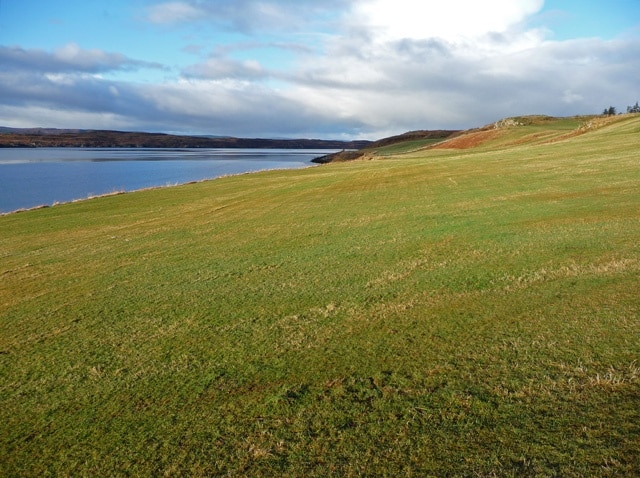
(466, 308)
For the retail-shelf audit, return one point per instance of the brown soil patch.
(468, 140)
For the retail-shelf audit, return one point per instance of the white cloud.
(61, 79)
(411, 84)
(450, 20)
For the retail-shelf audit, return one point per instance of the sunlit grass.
(445, 312)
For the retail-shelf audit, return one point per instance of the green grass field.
(445, 312)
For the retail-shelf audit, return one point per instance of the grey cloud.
(245, 15)
(70, 58)
(220, 68)
(226, 49)
(431, 84)
(220, 64)
(228, 107)
(68, 93)
(241, 109)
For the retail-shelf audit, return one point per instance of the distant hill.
(412, 139)
(51, 137)
(507, 132)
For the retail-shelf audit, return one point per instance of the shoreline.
(149, 188)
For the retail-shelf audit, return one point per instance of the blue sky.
(330, 69)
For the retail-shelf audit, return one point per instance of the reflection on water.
(43, 176)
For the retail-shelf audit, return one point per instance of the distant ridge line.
(78, 138)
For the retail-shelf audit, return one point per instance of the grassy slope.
(406, 146)
(446, 312)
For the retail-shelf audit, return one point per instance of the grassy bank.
(449, 312)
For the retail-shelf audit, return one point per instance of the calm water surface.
(43, 176)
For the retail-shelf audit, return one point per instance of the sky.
(331, 69)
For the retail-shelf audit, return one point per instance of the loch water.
(31, 177)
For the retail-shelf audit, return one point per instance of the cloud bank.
(353, 69)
